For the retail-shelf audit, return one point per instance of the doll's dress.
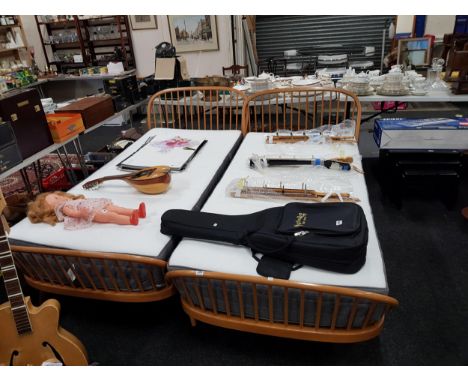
(91, 206)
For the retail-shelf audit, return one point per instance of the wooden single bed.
(116, 271)
(218, 282)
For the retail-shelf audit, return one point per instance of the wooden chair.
(234, 69)
(199, 108)
(280, 307)
(295, 109)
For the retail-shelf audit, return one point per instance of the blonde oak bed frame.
(129, 277)
(300, 108)
(204, 303)
(220, 298)
(199, 108)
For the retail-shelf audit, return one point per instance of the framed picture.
(143, 22)
(414, 51)
(193, 33)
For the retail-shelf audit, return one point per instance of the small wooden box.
(63, 126)
(92, 109)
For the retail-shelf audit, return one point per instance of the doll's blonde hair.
(40, 211)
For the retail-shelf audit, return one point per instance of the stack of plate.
(258, 84)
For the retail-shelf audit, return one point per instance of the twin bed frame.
(253, 304)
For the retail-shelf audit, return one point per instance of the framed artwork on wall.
(143, 22)
(193, 33)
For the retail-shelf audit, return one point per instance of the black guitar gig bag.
(329, 236)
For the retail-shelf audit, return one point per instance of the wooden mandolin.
(152, 180)
(31, 335)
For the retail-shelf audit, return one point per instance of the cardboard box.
(430, 133)
(63, 126)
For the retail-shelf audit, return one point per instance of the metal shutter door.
(275, 34)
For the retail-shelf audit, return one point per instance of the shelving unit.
(13, 31)
(53, 35)
(96, 39)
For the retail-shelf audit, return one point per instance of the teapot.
(266, 76)
(373, 73)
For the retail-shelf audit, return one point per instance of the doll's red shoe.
(134, 218)
(142, 210)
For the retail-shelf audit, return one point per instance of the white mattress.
(210, 256)
(145, 239)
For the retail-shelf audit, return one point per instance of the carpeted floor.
(426, 256)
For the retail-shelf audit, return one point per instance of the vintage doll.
(78, 212)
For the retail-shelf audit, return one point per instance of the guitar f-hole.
(56, 353)
(14, 354)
